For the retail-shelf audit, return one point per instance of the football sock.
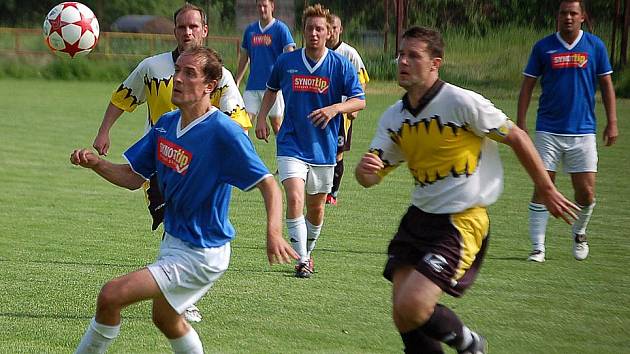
(417, 342)
(584, 215)
(445, 326)
(297, 234)
(97, 338)
(337, 178)
(312, 232)
(187, 344)
(538, 216)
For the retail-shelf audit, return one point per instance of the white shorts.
(253, 100)
(576, 153)
(185, 273)
(318, 178)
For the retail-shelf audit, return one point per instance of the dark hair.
(433, 39)
(256, 1)
(581, 2)
(317, 10)
(210, 61)
(190, 7)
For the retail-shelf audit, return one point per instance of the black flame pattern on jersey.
(434, 150)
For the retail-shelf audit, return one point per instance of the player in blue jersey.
(571, 63)
(151, 82)
(313, 81)
(448, 138)
(263, 42)
(186, 149)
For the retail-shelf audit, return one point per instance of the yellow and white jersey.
(353, 56)
(152, 82)
(445, 142)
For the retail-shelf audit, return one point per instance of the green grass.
(65, 232)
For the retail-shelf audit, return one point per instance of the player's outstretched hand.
(321, 117)
(262, 130)
(84, 158)
(101, 143)
(559, 206)
(279, 251)
(610, 134)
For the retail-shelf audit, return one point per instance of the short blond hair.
(317, 10)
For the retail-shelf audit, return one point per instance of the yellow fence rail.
(30, 41)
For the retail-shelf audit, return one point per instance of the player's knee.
(411, 311)
(169, 326)
(585, 195)
(295, 202)
(108, 298)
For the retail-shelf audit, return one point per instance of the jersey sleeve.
(384, 147)
(352, 87)
(131, 93)
(245, 42)
(244, 169)
(603, 63)
(484, 118)
(141, 155)
(287, 38)
(228, 99)
(534, 66)
(357, 62)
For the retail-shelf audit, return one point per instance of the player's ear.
(210, 86)
(436, 63)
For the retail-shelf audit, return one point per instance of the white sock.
(467, 338)
(298, 235)
(97, 338)
(584, 215)
(187, 344)
(312, 233)
(538, 216)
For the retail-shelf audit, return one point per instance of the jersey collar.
(424, 101)
(317, 65)
(273, 20)
(192, 124)
(337, 45)
(567, 45)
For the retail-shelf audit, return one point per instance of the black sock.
(445, 326)
(417, 342)
(337, 178)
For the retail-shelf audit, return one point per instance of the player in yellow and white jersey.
(152, 81)
(448, 137)
(344, 140)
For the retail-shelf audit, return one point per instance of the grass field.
(65, 232)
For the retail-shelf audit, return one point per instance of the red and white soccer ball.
(71, 29)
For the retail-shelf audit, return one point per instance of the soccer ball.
(71, 29)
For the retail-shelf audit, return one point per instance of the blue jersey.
(569, 80)
(264, 46)
(307, 86)
(196, 167)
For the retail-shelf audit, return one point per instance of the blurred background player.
(570, 63)
(313, 81)
(345, 129)
(447, 137)
(152, 82)
(197, 181)
(263, 42)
